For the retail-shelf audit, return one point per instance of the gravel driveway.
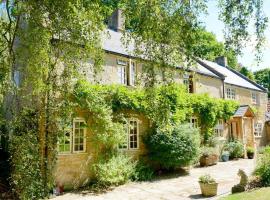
(173, 188)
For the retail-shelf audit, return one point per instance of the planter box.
(208, 160)
(209, 190)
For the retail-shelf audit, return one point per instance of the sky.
(213, 24)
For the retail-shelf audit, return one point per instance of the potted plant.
(208, 157)
(208, 185)
(225, 156)
(250, 152)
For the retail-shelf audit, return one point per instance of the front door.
(248, 136)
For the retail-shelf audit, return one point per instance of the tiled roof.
(241, 111)
(112, 42)
(233, 77)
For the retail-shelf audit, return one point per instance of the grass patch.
(260, 194)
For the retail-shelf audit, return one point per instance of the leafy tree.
(45, 44)
(262, 77)
(249, 74)
(207, 46)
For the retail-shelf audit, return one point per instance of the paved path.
(175, 188)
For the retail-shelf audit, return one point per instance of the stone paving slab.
(176, 188)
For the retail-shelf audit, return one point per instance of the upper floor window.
(194, 122)
(219, 129)
(188, 82)
(132, 135)
(255, 98)
(258, 127)
(132, 73)
(230, 93)
(73, 140)
(126, 72)
(122, 71)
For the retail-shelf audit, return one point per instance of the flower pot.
(207, 160)
(250, 155)
(225, 157)
(209, 189)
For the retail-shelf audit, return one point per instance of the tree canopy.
(262, 77)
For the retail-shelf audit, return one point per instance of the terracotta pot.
(209, 189)
(208, 160)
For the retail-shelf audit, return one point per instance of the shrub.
(250, 150)
(263, 167)
(207, 151)
(116, 170)
(143, 172)
(235, 148)
(176, 148)
(207, 179)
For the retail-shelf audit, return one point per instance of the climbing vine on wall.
(107, 104)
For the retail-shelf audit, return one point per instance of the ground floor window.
(194, 122)
(132, 135)
(73, 139)
(219, 129)
(258, 129)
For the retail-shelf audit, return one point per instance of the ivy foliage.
(25, 157)
(210, 110)
(108, 103)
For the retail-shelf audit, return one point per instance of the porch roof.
(243, 111)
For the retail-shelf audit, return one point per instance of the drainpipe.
(223, 88)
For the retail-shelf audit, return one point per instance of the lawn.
(260, 194)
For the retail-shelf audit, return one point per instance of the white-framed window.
(254, 98)
(219, 129)
(258, 127)
(73, 138)
(64, 142)
(132, 73)
(230, 93)
(132, 135)
(122, 71)
(122, 75)
(79, 135)
(194, 122)
(188, 82)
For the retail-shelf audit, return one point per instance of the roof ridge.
(210, 68)
(246, 78)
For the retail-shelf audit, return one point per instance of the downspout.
(223, 88)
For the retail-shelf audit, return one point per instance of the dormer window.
(188, 82)
(230, 93)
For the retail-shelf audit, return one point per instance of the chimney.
(117, 21)
(222, 60)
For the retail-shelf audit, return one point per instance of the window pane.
(79, 135)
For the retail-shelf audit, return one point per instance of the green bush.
(116, 170)
(207, 151)
(143, 172)
(263, 167)
(176, 148)
(235, 148)
(207, 179)
(250, 150)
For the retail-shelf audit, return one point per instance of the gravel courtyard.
(172, 188)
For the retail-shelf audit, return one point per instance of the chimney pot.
(117, 21)
(222, 60)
